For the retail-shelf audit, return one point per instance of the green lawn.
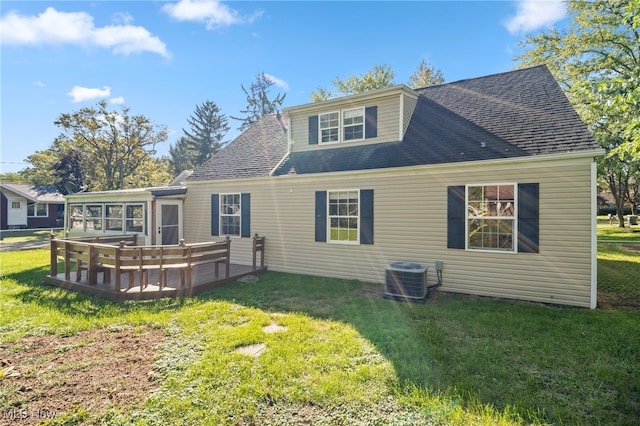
(347, 357)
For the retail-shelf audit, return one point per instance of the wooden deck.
(95, 268)
(202, 279)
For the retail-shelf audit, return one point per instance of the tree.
(182, 156)
(378, 77)
(597, 61)
(258, 102)
(117, 145)
(69, 172)
(208, 127)
(425, 75)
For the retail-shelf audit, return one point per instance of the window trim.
(344, 126)
(513, 218)
(237, 214)
(35, 210)
(338, 127)
(341, 126)
(329, 217)
(85, 219)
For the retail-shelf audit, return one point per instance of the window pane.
(41, 209)
(114, 214)
(491, 210)
(230, 225)
(343, 216)
(76, 216)
(30, 209)
(94, 217)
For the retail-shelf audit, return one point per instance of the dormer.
(366, 118)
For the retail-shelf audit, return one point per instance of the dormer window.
(330, 127)
(344, 126)
(353, 124)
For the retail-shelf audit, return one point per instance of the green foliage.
(258, 101)
(378, 77)
(596, 59)
(115, 143)
(208, 128)
(425, 75)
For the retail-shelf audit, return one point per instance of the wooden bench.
(216, 253)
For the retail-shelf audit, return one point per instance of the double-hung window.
(330, 127)
(37, 210)
(230, 210)
(134, 218)
(491, 217)
(353, 124)
(343, 216)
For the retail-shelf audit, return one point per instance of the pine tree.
(258, 102)
(208, 128)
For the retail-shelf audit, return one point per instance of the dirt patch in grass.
(78, 376)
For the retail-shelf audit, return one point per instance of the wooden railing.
(123, 256)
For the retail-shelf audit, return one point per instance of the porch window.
(37, 210)
(135, 218)
(114, 213)
(76, 217)
(491, 217)
(230, 210)
(94, 217)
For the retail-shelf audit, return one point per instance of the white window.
(15, 204)
(491, 217)
(330, 127)
(107, 217)
(134, 218)
(353, 124)
(343, 216)
(114, 213)
(230, 209)
(37, 210)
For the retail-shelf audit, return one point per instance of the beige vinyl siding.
(410, 223)
(389, 113)
(408, 106)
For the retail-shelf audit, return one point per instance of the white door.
(168, 222)
(16, 212)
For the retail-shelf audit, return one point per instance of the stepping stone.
(274, 328)
(252, 350)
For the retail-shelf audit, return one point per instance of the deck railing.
(114, 256)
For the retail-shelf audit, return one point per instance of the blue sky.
(163, 58)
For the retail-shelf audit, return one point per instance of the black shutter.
(371, 122)
(215, 214)
(321, 216)
(366, 216)
(245, 214)
(528, 217)
(313, 130)
(456, 217)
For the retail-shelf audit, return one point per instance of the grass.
(26, 235)
(348, 356)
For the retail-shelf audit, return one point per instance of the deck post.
(53, 254)
(67, 262)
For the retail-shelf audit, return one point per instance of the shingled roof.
(35, 193)
(255, 153)
(512, 114)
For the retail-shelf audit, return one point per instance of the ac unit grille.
(406, 280)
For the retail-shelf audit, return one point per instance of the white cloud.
(535, 14)
(275, 80)
(79, 93)
(38, 83)
(77, 28)
(119, 100)
(212, 12)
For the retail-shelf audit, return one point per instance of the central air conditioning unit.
(406, 280)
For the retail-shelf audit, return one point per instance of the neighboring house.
(24, 206)
(494, 176)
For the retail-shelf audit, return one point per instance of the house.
(494, 178)
(24, 206)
